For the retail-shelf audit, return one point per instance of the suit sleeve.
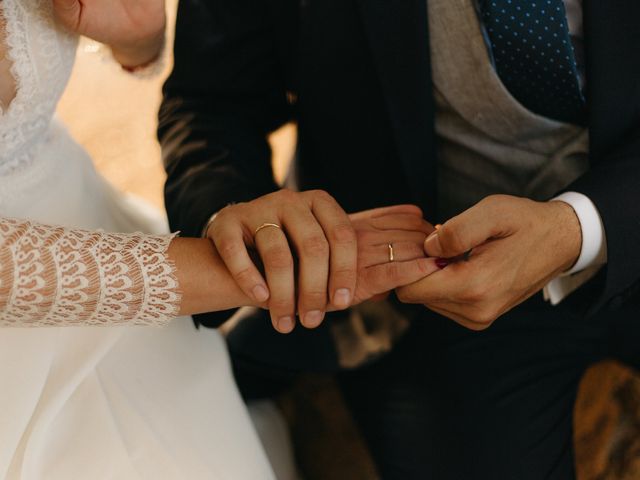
(225, 94)
(613, 185)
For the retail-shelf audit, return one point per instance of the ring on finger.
(266, 225)
(391, 253)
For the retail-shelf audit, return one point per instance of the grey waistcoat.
(488, 142)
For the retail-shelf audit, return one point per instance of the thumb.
(460, 234)
(68, 12)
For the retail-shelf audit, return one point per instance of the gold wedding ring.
(266, 225)
(391, 256)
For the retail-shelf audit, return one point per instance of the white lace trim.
(41, 57)
(53, 276)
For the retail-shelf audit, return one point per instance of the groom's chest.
(332, 50)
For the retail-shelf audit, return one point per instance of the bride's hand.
(390, 250)
(134, 29)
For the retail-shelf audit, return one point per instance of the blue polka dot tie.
(534, 56)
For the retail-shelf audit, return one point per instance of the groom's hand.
(499, 253)
(308, 226)
(134, 29)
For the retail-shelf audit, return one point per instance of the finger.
(380, 254)
(229, 239)
(402, 222)
(444, 286)
(394, 210)
(466, 231)
(391, 236)
(389, 276)
(343, 245)
(467, 290)
(312, 249)
(445, 308)
(273, 247)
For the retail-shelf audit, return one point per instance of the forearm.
(56, 276)
(205, 283)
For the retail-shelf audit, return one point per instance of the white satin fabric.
(100, 403)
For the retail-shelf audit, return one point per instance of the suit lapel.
(397, 31)
(612, 41)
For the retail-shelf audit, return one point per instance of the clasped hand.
(499, 253)
(314, 256)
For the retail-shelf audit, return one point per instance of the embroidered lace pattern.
(42, 55)
(53, 276)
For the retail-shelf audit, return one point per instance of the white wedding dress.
(114, 402)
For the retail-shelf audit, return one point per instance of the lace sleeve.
(53, 276)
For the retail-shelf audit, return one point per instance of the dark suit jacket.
(355, 75)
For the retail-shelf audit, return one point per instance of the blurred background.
(113, 114)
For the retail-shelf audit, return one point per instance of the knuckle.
(228, 247)
(244, 276)
(226, 211)
(314, 298)
(321, 195)
(484, 317)
(281, 305)
(285, 194)
(450, 238)
(405, 295)
(219, 223)
(344, 275)
(343, 234)
(315, 246)
(497, 204)
(278, 258)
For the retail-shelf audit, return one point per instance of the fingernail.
(260, 293)
(313, 318)
(433, 234)
(441, 263)
(285, 324)
(342, 298)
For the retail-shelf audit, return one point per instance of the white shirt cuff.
(593, 253)
(594, 244)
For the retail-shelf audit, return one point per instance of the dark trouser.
(452, 404)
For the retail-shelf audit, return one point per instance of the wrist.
(569, 234)
(205, 283)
